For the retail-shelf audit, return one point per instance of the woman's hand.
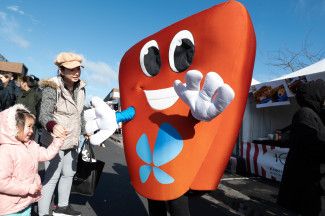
(87, 136)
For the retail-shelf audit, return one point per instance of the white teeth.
(162, 98)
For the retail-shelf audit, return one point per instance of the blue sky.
(35, 31)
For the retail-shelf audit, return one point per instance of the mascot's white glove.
(101, 118)
(209, 102)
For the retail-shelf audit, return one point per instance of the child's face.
(24, 86)
(24, 134)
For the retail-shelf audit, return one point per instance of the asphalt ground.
(236, 195)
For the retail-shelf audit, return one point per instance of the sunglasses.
(5, 76)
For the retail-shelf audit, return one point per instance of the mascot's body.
(183, 132)
(168, 151)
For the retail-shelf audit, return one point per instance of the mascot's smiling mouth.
(162, 98)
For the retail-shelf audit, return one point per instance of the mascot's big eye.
(181, 51)
(150, 59)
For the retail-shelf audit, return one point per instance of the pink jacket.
(19, 164)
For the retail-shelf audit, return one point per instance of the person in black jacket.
(8, 90)
(303, 181)
(30, 95)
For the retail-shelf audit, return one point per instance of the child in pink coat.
(20, 184)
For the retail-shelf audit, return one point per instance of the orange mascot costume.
(184, 130)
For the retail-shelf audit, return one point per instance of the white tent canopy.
(255, 82)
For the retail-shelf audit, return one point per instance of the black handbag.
(88, 173)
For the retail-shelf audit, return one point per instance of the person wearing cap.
(61, 114)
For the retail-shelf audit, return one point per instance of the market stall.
(266, 123)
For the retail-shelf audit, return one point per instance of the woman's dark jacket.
(31, 99)
(8, 95)
(302, 185)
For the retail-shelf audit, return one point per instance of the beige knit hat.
(68, 60)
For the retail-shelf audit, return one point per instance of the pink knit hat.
(8, 129)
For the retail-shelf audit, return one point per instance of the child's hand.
(59, 131)
(35, 189)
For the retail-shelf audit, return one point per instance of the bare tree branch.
(292, 60)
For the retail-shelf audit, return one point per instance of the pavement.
(115, 196)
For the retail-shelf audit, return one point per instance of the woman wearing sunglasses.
(8, 90)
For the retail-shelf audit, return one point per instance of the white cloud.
(99, 75)
(9, 31)
(16, 9)
(100, 72)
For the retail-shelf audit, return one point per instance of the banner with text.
(264, 160)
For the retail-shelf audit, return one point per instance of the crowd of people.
(53, 110)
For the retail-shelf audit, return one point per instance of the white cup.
(270, 136)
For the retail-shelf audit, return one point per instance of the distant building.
(17, 68)
(113, 99)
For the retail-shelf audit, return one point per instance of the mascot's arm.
(209, 102)
(102, 121)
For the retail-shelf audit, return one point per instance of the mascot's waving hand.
(184, 130)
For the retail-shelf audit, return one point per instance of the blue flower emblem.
(168, 145)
